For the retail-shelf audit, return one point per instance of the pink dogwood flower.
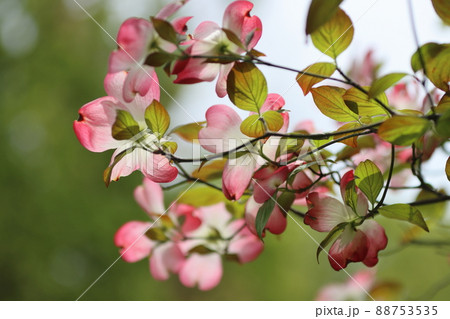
(218, 235)
(356, 243)
(112, 123)
(209, 39)
(136, 39)
(185, 240)
(136, 241)
(223, 134)
(266, 182)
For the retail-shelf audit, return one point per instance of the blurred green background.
(57, 219)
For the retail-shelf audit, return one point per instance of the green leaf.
(442, 8)
(165, 30)
(320, 11)
(158, 59)
(125, 127)
(263, 215)
(447, 168)
(436, 57)
(355, 99)
(274, 120)
(157, 118)
(211, 170)
(306, 82)
(403, 130)
(285, 200)
(429, 51)
(385, 82)
(369, 179)
(351, 141)
(247, 87)
(201, 196)
(351, 197)
(330, 102)
(189, 132)
(253, 126)
(319, 143)
(404, 212)
(156, 234)
(444, 104)
(335, 36)
(332, 235)
(443, 124)
(170, 147)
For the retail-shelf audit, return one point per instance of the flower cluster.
(185, 240)
(386, 127)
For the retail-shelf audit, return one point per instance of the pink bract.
(94, 131)
(210, 40)
(355, 244)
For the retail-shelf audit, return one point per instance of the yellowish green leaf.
(385, 82)
(247, 86)
(306, 82)
(320, 11)
(404, 212)
(369, 179)
(125, 127)
(330, 102)
(442, 8)
(201, 196)
(351, 141)
(157, 118)
(211, 170)
(189, 132)
(333, 37)
(360, 101)
(403, 130)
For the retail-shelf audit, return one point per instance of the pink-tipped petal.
(94, 127)
(301, 182)
(277, 221)
(377, 241)
(202, 270)
(221, 85)
(180, 25)
(266, 186)
(350, 247)
(146, 79)
(133, 243)
(150, 197)
(140, 81)
(237, 19)
(237, 174)
(326, 212)
(132, 39)
(246, 246)
(154, 166)
(170, 9)
(193, 71)
(165, 258)
(222, 132)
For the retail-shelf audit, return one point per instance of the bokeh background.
(57, 219)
